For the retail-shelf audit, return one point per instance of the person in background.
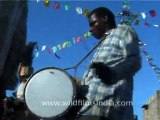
(25, 71)
(110, 73)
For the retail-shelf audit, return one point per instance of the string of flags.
(57, 5)
(127, 18)
(130, 17)
(150, 59)
(54, 49)
(133, 18)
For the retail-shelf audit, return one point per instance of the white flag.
(79, 10)
(143, 15)
(43, 48)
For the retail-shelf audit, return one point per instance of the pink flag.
(79, 39)
(56, 5)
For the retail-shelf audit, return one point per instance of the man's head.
(101, 20)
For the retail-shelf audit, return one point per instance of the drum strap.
(76, 66)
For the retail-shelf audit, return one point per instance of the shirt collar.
(106, 34)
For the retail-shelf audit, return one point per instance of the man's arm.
(125, 68)
(132, 60)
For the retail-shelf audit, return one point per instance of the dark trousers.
(91, 118)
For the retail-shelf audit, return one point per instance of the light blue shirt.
(120, 52)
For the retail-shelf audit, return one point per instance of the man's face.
(97, 26)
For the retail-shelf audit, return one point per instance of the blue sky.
(50, 27)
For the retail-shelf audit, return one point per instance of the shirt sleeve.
(132, 59)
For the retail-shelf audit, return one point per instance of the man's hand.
(77, 81)
(103, 72)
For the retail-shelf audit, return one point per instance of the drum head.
(49, 93)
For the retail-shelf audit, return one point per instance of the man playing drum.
(111, 71)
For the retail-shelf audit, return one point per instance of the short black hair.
(103, 11)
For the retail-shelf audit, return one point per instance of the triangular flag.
(88, 34)
(149, 58)
(67, 7)
(152, 13)
(54, 49)
(43, 48)
(158, 76)
(36, 54)
(86, 12)
(156, 25)
(126, 5)
(145, 52)
(143, 15)
(46, 3)
(137, 22)
(79, 10)
(69, 44)
(135, 15)
(79, 39)
(74, 41)
(59, 47)
(49, 50)
(64, 45)
(56, 5)
(146, 24)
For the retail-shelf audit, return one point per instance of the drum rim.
(73, 97)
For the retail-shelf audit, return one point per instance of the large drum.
(49, 93)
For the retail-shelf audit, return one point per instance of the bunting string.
(150, 59)
(54, 49)
(127, 17)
